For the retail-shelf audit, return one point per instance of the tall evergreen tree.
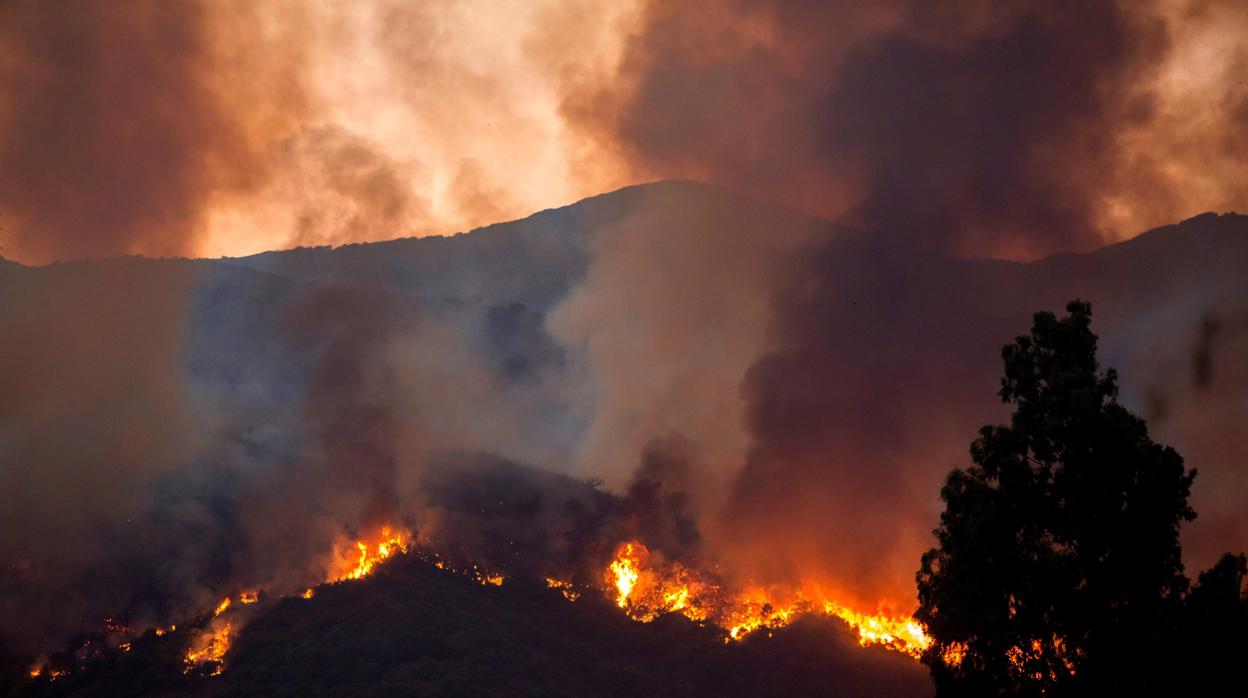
(1058, 570)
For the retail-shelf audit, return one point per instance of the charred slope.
(412, 629)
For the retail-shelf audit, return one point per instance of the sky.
(227, 128)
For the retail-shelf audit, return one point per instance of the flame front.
(624, 570)
(367, 556)
(646, 591)
(565, 587)
(210, 646)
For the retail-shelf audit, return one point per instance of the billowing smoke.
(205, 128)
(223, 128)
(120, 125)
(75, 454)
(992, 130)
(779, 406)
(756, 388)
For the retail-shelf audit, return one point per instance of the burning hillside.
(637, 583)
(440, 619)
(728, 436)
(645, 591)
(726, 402)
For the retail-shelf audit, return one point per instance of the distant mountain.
(173, 428)
(534, 261)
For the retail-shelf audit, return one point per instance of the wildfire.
(646, 591)
(624, 568)
(954, 654)
(900, 633)
(643, 585)
(388, 543)
(210, 646)
(52, 674)
(569, 592)
(487, 578)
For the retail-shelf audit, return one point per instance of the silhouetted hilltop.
(534, 260)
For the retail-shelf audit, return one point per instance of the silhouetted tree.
(1214, 644)
(1058, 569)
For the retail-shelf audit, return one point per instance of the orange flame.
(487, 578)
(566, 588)
(210, 646)
(624, 569)
(221, 607)
(646, 591)
(388, 543)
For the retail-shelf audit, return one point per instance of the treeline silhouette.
(1059, 570)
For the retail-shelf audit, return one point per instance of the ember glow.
(646, 590)
(209, 647)
(566, 588)
(359, 560)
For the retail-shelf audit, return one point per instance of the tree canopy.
(1058, 569)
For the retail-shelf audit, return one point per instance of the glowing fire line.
(646, 591)
(641, 589)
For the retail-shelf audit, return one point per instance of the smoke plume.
(970, 127)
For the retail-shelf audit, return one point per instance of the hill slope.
(175, 428)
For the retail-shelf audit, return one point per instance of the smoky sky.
(1013, 130)
(115, 131)
(203, 129)
(980, 128)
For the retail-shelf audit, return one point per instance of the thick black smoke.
(988, 129)
(887, 360)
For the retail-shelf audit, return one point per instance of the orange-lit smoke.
(213, 129)
(1010, 130)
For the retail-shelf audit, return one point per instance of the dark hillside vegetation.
(412, 629)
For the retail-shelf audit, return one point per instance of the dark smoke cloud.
(886, 361)
(75, 458)
(119, 122)
(979, 128)
(173, 431)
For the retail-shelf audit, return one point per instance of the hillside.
(412, 629)
(761, 391)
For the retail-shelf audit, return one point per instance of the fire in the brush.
(360, 560)
(351, 562)
(647, 589)
(209, 646)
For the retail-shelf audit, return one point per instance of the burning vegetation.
(359, 560)
(645, 591)
(207, 651)
(635, 580)
(647, 586)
